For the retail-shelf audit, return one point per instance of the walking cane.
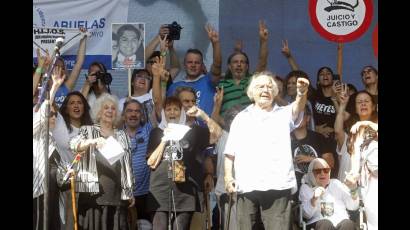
(208, 212)
(72, 179)
(229, 211)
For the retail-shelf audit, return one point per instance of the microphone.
(59, 43)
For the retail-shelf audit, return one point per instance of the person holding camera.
(97, 82)
(165, 39)
(259, 137)
(130, 55)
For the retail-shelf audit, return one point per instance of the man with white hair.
(258, 147)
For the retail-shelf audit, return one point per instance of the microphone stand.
(171, 155)
(46, 94)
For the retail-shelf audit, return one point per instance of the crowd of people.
(261, 143)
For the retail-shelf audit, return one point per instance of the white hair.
(99, 103)
(252, 84)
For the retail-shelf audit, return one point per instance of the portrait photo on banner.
(128, 45)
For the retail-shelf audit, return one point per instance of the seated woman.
(102, 185)
(363, 147)
(325, 200)
(186, 197)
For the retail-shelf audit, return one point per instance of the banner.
(94, 15)
(45, 38)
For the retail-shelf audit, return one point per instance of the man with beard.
(237, 78)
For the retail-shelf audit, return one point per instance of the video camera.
(174, 31)
(105, 78)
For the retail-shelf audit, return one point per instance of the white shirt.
(143, 98)
(336, 194)
(62, 137)
(260, 142)
(220, 169)
(344, 160)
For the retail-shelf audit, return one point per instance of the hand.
(83, 29)
(132, 202)
(263, 31)
(218, 97)
(194, 111)
(344, 95)
(158, 68)
(163, 31)
(43, 61)
(337, 87)
(97, 142)
(230, 185)
(91, 78)
(318, 192)
(163, 43)
(238, 45)
(208, 183)
(324, 130)
(154, 160)
(212, 34)
(303, 159)
(302, 85)
(58, 76)
(285, 49)
(351, 180)
(356, 126)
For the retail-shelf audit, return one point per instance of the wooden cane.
(129, 82)
(72, 179)
(208, 212)
(228, 220)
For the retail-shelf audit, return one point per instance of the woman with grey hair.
(325, 200)
(102, 185)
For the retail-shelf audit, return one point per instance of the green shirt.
(234, 94)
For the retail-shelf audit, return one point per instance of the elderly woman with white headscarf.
(103, 184)
(325, 200)
(185, 184)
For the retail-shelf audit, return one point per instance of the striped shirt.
(140, 169)
(39, 136)
(234, 94)
(87, 175)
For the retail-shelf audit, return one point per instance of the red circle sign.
(341, 20)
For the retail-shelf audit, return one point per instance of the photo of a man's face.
(128, 46)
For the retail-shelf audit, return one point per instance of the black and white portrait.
(128, 42)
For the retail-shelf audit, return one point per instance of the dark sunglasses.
(151, 62)
(53, 114)
(319, 171)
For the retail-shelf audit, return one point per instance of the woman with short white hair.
(102, 185)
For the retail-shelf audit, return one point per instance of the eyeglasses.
(53, 114)
(366, 71)
(319, 171)
(144, 77)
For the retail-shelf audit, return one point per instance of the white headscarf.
(309, 177)
(164, 123)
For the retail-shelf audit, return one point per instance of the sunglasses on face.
(53, 114)
(151, 62)
(144, 77)
(319, 171)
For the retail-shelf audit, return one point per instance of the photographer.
(97, 82)
(163, 32)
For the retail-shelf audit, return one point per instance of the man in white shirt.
(259, 148)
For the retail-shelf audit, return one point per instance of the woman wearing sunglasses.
(325, 200)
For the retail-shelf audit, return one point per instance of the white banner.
(45, 38)
(95, 15)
